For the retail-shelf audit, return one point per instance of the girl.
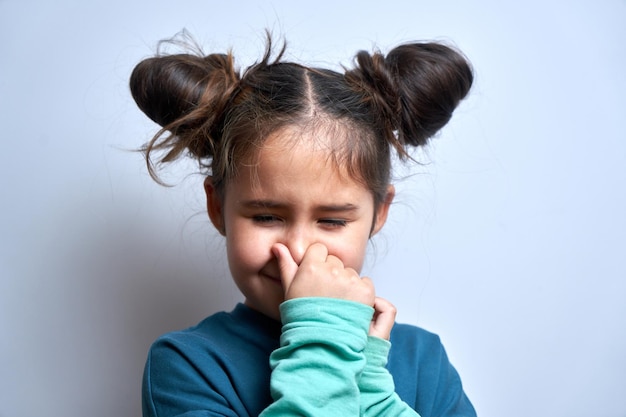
(298, 165)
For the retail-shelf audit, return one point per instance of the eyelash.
(268, 218)
(334, 222)
(264, 218)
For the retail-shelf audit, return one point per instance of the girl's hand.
(321, 275)
(384, 318)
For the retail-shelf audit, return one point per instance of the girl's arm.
(326, 317)
(439, 391)
(314, 372)
(378, 396)
(377, 390)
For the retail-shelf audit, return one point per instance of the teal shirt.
(319, 363)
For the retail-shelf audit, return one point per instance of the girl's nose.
(298, 240)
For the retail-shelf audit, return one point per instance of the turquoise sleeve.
(378, 396)
(320, 358)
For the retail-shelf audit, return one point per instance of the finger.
(287, 266)
(384, 318)
(315, 253)
(368, 290)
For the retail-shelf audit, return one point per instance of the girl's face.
(295, 196)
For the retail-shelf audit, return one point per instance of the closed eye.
(333, 223)
(265, 218)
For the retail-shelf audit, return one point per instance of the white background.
(509, 243)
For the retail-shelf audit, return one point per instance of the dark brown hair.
(220, 116)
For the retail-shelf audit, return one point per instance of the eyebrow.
(270, 204)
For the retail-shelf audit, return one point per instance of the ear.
(383, 210)
(214, 205)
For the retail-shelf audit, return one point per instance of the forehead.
(299, 158)
(291, 151)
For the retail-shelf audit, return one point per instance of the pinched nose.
(298, 240)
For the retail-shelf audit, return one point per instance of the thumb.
(287, 266)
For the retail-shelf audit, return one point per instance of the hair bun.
(432, 79)
(416, 86)
(168, 87)
(187, 95)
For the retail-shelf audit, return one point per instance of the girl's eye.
(264, 218)
(332, 223)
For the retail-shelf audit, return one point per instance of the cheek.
(350, 251)
(247, 248)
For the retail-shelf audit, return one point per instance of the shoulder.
(222, 361)
(180, 348)
(416, 352)
(416, 349)
(198, 335)
(223, 333)
(178, 363)
(418, 359)
(414, 339)
(409, 330)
